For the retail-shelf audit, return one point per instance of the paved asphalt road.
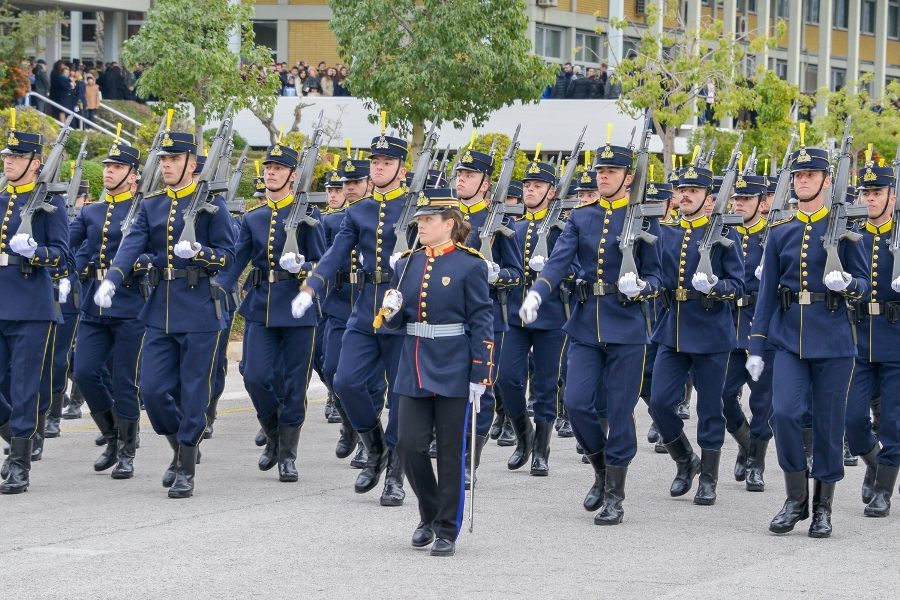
(79, 534)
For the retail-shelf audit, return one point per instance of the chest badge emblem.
(445, 281)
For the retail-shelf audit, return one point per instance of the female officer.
(442, 369)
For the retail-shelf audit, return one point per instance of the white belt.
(427, 330)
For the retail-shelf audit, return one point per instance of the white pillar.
(729, 18)
(825, 20)
(54, 46)
(282, 40)
(616, 35)
(881, 24)
(694, 13)
(234, 41)
(853, 26)
(112, 35)
(75, 40)
(763, 18)
(795, 37)
(657, 27)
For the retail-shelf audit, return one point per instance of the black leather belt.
(276, 276)
(805, 298)
(876, 309)
(683, 295)
(376, 277)
(8, 260)
(191, 274)
(748, 300)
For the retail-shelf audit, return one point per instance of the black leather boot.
(742, 436)
(335, 416)
(443, 547)
(184, 473)
(594, 498)
(376, 462)
(288, 440)
(100, 440)
(37, 441)
(72, 409)
(507, 433)
(659, 447)
(169, 477)
(823, 495)
(347, 442)
(868, 484)
(540, 455)
(806, 433)
(796, 507)
(125, 450)
(269, 457)
(6, 436)
(329, 406)
(260, 439)
(850, 459)
(361, 457)
(106, 422)
(756, 465)
(687, 462)
(652, 433)
(613, 495)
(684, 407)
(885, 480)
(393, 494)
(565, 429)
(479, 443)
(709, 477)
(497, 425)
(16, 480)
(432, 447)
(524, 442)
(55, 415)
(211, 414)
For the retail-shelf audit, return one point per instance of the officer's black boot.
(100, 440)
(72, 409)
(361, 457)
(497, 425)
(684, 407)
(687, 462)
(393, 494)
(184, 473)
(756, 465)
(875, 406)
(55, 415)
(269, 457)
(37, 441)
(507, 433)
(850, 460)
(288, 440)
(347, 442)
(377, 459)
(529, 405)
(169, 477)
(659, 447)
(742, 436)
(335, 416)
(806, 433)
(480, 441)
(594, 498)
(709, 477)
(565, 428)
(652, 433)
(125, 449)
(823, 494)
(613, 495)
(260, 439)
(540, 455)
(868, 484)
(524, 442)
(796, 507)
(106, 422)
(329, 406)
(211, 414)
(885, 480)
(16, 480)
(6, 436)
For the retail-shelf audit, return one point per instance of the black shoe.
(393, 493)
(106, 422)
(756, 465)
(565, 430)
(709, 477)
(376, 462)
(362, 455)
(432, 447)
(652, 433)
(6, 436)
(688, 465)
(37, 440)
(540, 454)
(885, 480)
(823, 495)
(613, 495)
(557, 423)
(850, 460)
(260, 439)
(742, 436)
(507, 433)
(660, 447)
(579, 448)
(334, 416)
(349, 438)
(100, 440)
(16, 480)
(329, 406)
(423, 535)
(497, 425)
(480, 441)
(73, 403)
(796, 507)
(594, 498)
(184, 473)
(288, 440)
(524, 442)
(684, 409)
(126, 444)
(55, 416)
(806, 433)
(269, 458)
(169, 477)
(443, 547)
(211, 414)
(868, 484)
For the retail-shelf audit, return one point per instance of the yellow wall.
(307, 1)
(812, 38)
(893, 52)
(263, 2)
(565, 5)
(867, 48)
(589, 7)
(311, 41)
(838, 43)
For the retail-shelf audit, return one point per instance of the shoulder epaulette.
(668, 223)
(471, 251)
(252, 208)
(781, 222)
(594, 201)
(408, 252)
(155, 194)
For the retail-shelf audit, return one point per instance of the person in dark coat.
(562, 82)
(581, 88)
(113, 86)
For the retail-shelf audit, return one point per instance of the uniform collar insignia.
(807, 218)
(183, 192)
(885, 228)
(440, 249)
(472, 208)
(281, 203)
(699, 222)
(755, 228)
(536, 216)
(389, 195)
(118, 197)
(22, 189)
(614, 204)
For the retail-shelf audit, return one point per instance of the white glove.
(184, 249)
(702, 284)
(300, 304)
(895, 285)
(392, 302)
(837, 281)
(393, 260)
(292, 262)
(537, 262)
(65, 286)
(493, 271)
(530, 307)
(359, 257)
(630, 285)
(22, 244)
(476, 390)
(755, 366)
(104, 294)
(758, 272)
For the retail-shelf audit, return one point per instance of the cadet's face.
(512, 200)
(537, 194)
(746, 206)
(277, 176)
(173, 168)
(383, 171)
(434, 229)
(354, 190)
(612, 181)
(691, 199)
(708, 205)
(116, 176)
(877, 200)
(471, 184)
(335, 197)
(807, 184)
(16, 165)
(764, 209)
(585, 196)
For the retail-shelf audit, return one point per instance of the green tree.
(18, 32)
(424, 60)
(186, 42)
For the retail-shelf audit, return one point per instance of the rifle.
(720, 218)
(782, 189)
(894, 244)
(235, 204)
(710, 155)
(202, 198)
(407, 215)
(147, 181)
(838, 211)
(306, 170)
(750, 167)
(559, 202)
(442, 167)
(46, 183)
(75, 182)
(638, 210)
(493, 223)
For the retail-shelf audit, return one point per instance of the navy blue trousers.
(669, 374)
(319, 350)
(334, 332)
(760, 395)
(102, 338)
(62, 352)
(513, 373)
(869, 381)
(222, 358)
(24, 348)
(791, 379)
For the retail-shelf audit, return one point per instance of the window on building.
(867, 17)
(838, 79)
(751, 6)
(812, 12)
(589, 46)
(135, 20)
(894, 19)
(88, 32)
(266, 34)
(749, 65)
(631, 46)
(781, 8)
(548, 42)
(781, 68)
(869, 86)
(840, 16)
(811, 79)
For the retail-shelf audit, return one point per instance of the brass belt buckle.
(874, 308)
(599, 289)
(168, 274)
(4, 260)
(681, 295)
(273, 276)
(804, 298)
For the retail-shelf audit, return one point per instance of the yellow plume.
(869, 153)
(256, 162)
(680, 162)
(587, 159)
(694, 158)
(766, 171)
(881, 163)
(802, 134)
(855, 179)
(383, 121)
(537, 152)
(359, 154)
(651, 173)
(281, 134)
(206, 152)
(349, 155)
(472, 141)
(118, 132)
(674, 161)
(12, 119)
(337, 159)
(740, 163)
(169, 114)
(608, 132)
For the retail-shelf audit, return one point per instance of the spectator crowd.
(306, 80)
(574, 84)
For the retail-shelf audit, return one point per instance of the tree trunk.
(199, 121)
(668, 141)
(99, 33)
(418, 142)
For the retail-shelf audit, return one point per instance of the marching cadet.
(587, 187)
(878, 359)
(803, 316)
(183, 317)
(368, 351)
(28, 310)
(695, 334)
(752, 437)
(608, 330)
(116, 331)
(443, 371)
(331, 221)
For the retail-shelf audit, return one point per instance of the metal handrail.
(109, 124)
(90, 123)
(121, 115)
